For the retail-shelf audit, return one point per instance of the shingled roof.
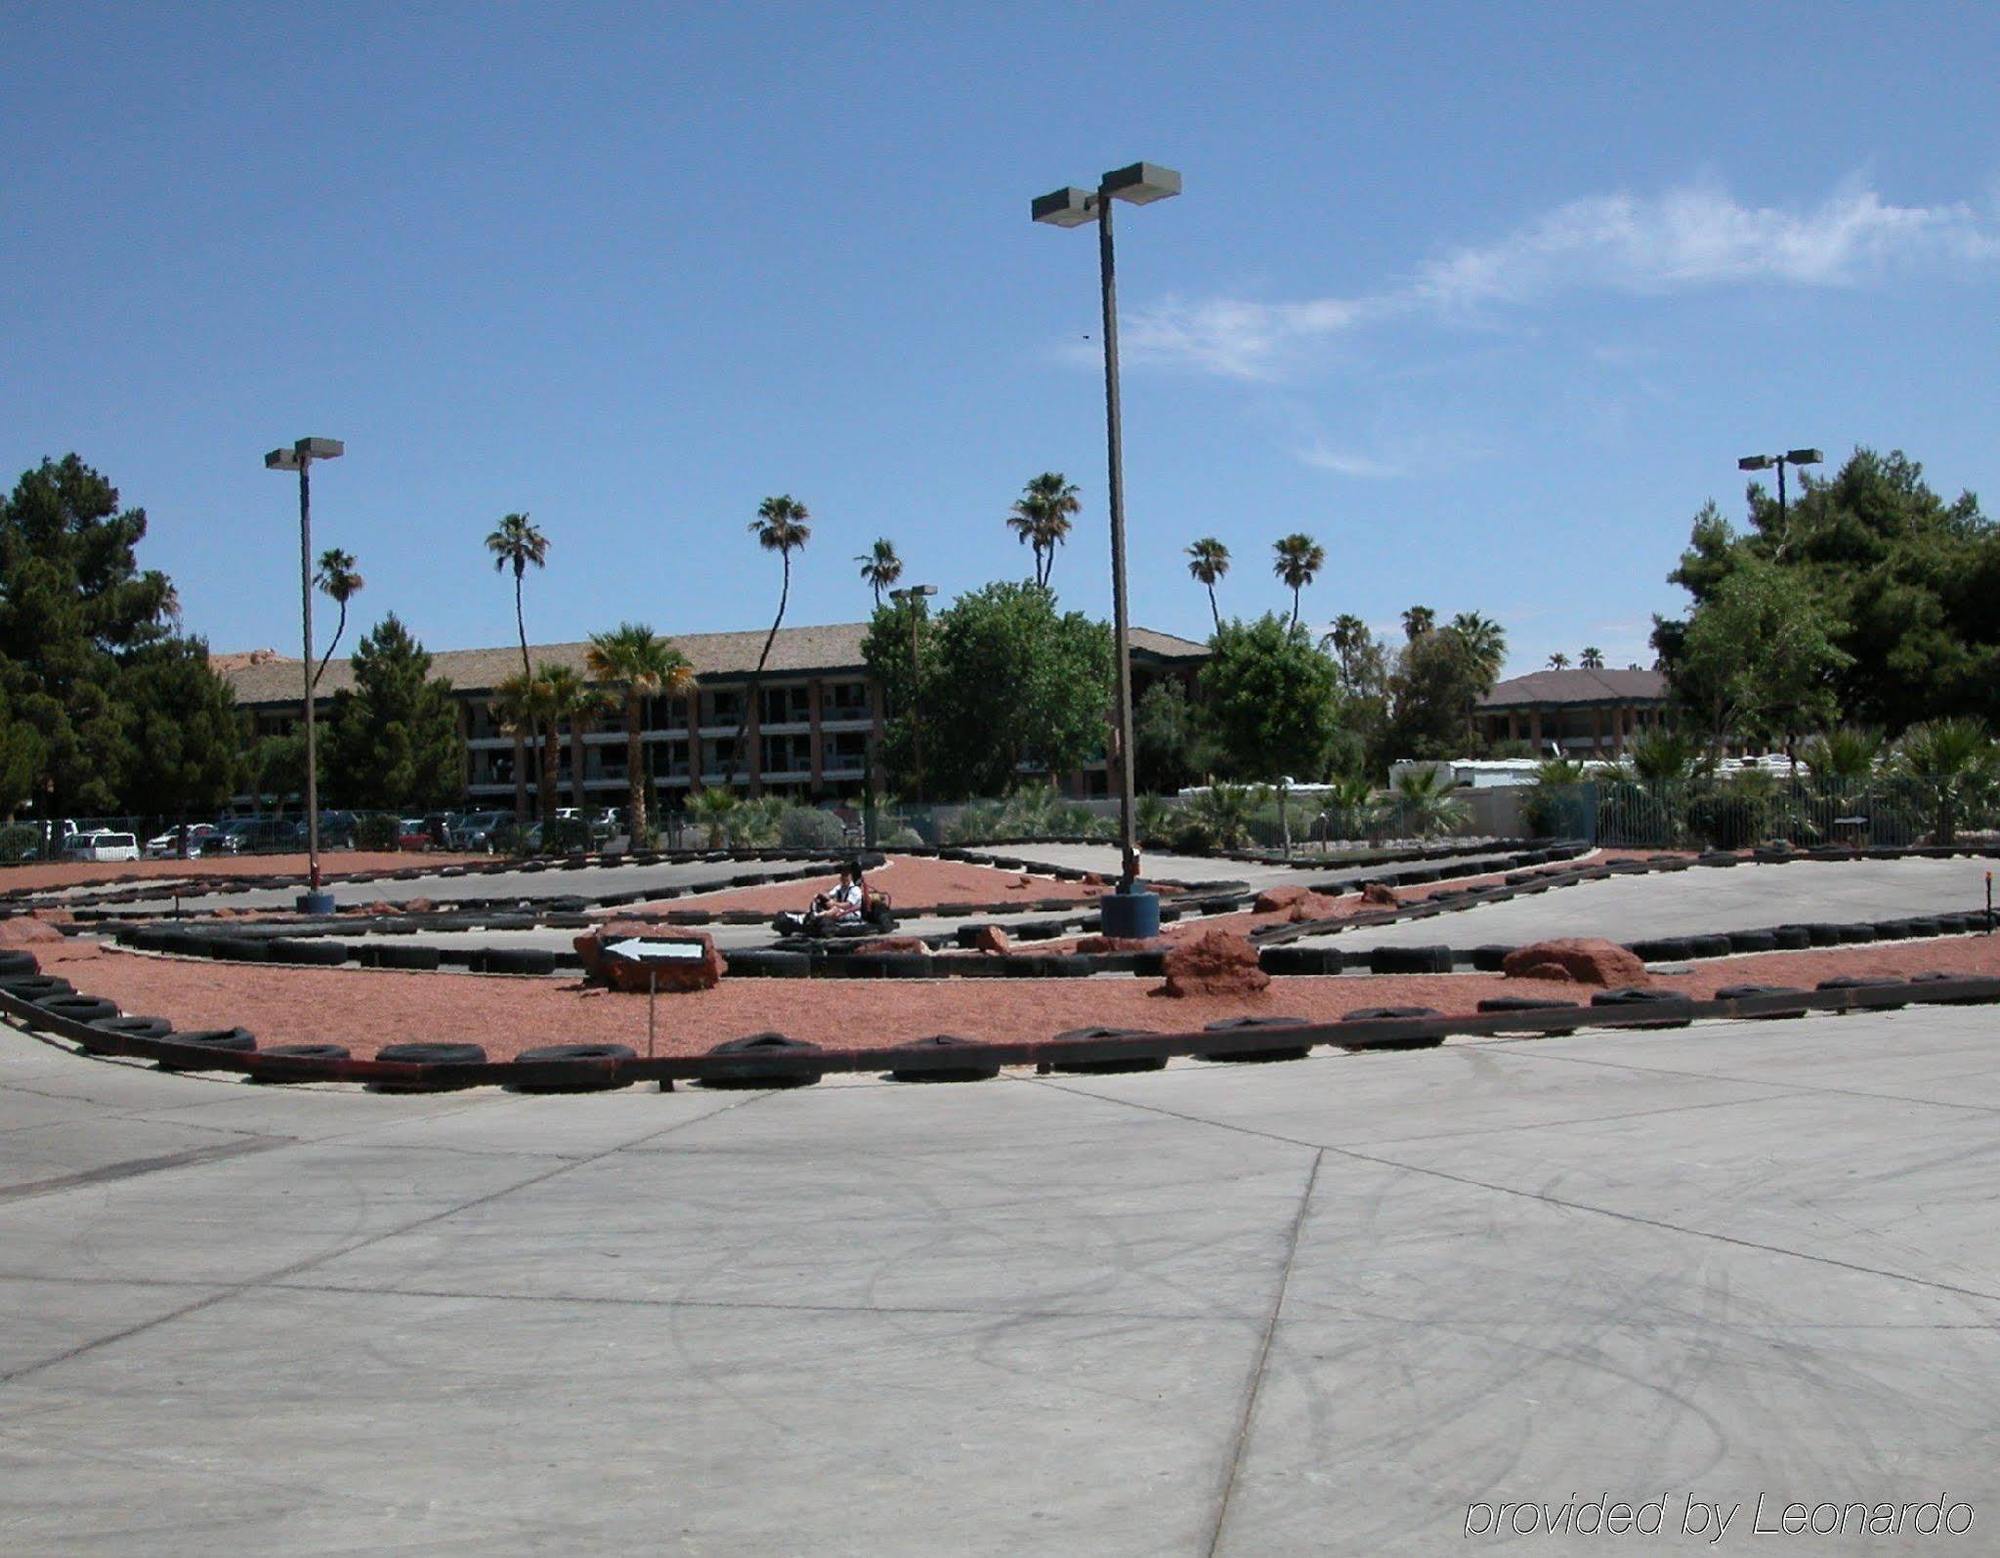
(1547, 687)
(262, 676)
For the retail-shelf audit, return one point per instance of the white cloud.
(1697, 236)
(1344, 462)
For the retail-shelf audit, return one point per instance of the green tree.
(1010, 687)
(394, 741)
(880, 567)
(338, 581)
(1164, 738)
(1040, 518)
(1439, 677)
(781, 526)
(184, 732)
(1270, 699)
(573, 705)
(1208, 561)
(641, 665)
(1761, 658)
(1297, 560)
(272, 765)
(518, 545)
(1909, 583)
(1558, 661)
(1592, 658)
(517, 706)
(1417, 621)
(73, 603)
(20, 759)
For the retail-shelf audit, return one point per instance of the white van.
(103, 846)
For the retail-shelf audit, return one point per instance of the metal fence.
(1737, 813)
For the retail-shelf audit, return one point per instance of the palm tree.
(780, 526)
(1484, 642)
(880, 567)
(713, 809)
(1558, 661)
(1418, 621)
(338, 581)
(1348, 635)
(1040, 518)
(1592, 658)
(573, 702)
(645, 665)
(1424, 804)
(1297, 562)
(1208, 561)
(1954, 764)
(520, 704)
(516, 544)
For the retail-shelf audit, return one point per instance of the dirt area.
(365, 1008)
(42, 876)
(912, 883)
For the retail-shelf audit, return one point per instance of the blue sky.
(1487, 298)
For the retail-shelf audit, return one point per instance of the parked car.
(102, 845)
(203, 838)
(413, 835)
(336, 829)
(477, 830)
(265, 834)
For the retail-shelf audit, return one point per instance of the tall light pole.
(300, 458)
(1763, 462)
(1130, 911)
(914, 597)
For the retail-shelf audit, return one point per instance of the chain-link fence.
(1763, 808)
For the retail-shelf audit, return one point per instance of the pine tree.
(395, 741)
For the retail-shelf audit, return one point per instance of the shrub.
(377, 831)
(806, 827)
(901, 838)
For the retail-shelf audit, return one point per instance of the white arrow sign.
(657, 951)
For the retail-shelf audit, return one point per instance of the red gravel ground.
(41, 876)
(364, 1008)
(912, 882)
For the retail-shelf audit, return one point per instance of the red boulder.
(1580, 960)
(1219, 963)
(638, 975)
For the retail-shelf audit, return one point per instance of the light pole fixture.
(1130, 911)
(300, 458)
(914, 596)
(1763, 462)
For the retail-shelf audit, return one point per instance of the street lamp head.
(1142, 183)
(281, 460)
(321, 448)
(1070, 207)
(1755, 462)
(1805, 456)
(914, 592)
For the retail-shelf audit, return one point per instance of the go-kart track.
(1124, 1294)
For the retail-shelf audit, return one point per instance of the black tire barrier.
(411, 957)
(1752, 941)
(139, 1027)
(1532, 1003)
(192, 1051)
(434, 1054)
(1765, 993)
(1112, 1065)
(237, 949)
(1719, 859)
(1036, 930)
(1822, 934)
(14, 963)
(78, 1008)
(1296, 960)
(913, 1062)
(1855, 934)
(1792, 938)
(1410, 960)
(886, 965)
(1709, 946)
(1668, 1001)
(1490, 959)
(1866, 982)
(570, 1068)
(517, 960)
(1263, 1054)
(1394, 1041)
(1920, 925)
(764, 963)
(755, 1046)
(308, 1052)
(1917, 981)
(36, 987)
(313, 954)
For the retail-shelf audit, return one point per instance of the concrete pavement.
(1320, 1307)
